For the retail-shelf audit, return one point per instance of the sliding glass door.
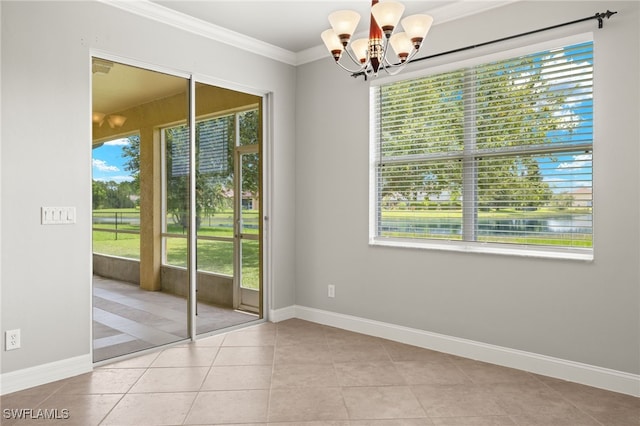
(135, 307)
(196, 160)
(226, 121)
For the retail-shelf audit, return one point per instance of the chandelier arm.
(412, 55)
(400, 65)
(395, 68)
(385, 49)
(362, 69)
(356, 61)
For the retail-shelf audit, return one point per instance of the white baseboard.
(572, 371)
(586, 374)
(277, 315)
(29, 377)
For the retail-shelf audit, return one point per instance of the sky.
(108, 162)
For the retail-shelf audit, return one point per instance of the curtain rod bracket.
(600, 17)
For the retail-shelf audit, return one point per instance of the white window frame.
(558, 252)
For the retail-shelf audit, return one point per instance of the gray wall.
(582, 311)
(46, 158)
(586, 312)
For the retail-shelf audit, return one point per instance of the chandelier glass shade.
(372, 53)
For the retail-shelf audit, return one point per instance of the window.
(216, 139)
(116, 198)
(496, 156)
(214, 193)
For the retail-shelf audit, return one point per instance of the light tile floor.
(301, 373)
(127, 319)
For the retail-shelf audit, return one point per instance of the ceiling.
(284, 30)
(118, 87)
(292, 25)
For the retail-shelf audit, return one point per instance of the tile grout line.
(561, 396)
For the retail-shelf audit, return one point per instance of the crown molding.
(202, 28)
(461, 9)
(452, 11)
(313, 54)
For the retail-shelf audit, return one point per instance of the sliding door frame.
(265, 188)
(266, 185)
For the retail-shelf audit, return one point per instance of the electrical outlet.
(11, 339)
(331, 291)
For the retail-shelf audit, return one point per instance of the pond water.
(553, 225)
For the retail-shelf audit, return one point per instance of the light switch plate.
(58, 215)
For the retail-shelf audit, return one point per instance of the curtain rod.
(599, 16)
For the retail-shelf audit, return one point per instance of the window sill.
(585, 255)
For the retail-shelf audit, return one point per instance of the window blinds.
(501, 152)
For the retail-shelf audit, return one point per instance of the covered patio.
(127, 319)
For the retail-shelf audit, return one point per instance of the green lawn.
(217, 256)
(445, 225)
(126, 245)
(213, 256)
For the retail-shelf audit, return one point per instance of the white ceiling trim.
(197, 26)
(450, 12)
(454, 10)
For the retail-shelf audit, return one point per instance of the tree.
(99, 190)
(177, 174)
(249, 127)
(422, 117)
(132, 153)
(512, 114)
(215, 143)
(428, 123)
(113, 195)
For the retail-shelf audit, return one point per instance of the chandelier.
(371, 54)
